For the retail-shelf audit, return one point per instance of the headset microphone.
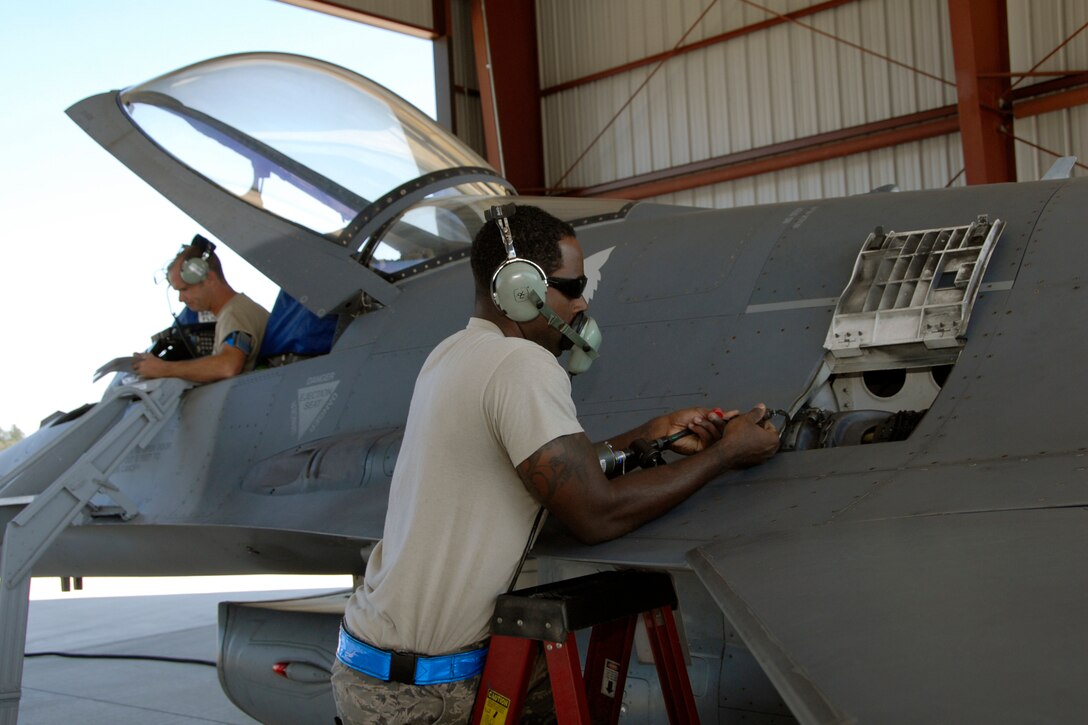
(519, 288)
(585, 338)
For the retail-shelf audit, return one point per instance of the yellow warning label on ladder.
(495, 708)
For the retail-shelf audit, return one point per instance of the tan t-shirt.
(243, 316)
(459, 515)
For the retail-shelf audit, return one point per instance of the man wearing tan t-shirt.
(197, 274)
(492, 435)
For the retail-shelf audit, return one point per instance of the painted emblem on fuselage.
(314, 401)
(593, 265)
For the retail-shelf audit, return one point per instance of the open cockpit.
(333, 187)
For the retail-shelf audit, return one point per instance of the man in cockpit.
(197, 274)
(492, 438)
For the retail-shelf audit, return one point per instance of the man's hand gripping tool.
(641, 454)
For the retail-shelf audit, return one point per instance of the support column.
(980, 48)
(504, 35)
(443, 67)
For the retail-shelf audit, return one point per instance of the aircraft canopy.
(297, 137)
(333, 186)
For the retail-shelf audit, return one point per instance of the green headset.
(519, 288)
(195, 269)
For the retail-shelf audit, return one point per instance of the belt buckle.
(402, 667)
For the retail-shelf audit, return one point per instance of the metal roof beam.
(776, 157)
(1061, 93)
(721, 38)
(1032, 100)
(348, 12)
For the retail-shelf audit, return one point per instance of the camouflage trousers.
(364, 700)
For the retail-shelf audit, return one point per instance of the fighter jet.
(915, 553)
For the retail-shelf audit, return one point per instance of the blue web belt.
(408, 669)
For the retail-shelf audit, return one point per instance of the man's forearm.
(206, 369)
(564, 477)
(646, 494)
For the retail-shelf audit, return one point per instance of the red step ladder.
(611, 603)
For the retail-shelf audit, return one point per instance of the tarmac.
(97, 691)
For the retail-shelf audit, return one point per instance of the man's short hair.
(536, 238)
(191, 252)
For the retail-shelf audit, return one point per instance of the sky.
(82, 239)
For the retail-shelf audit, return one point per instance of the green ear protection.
(195, 269)
(518, 286)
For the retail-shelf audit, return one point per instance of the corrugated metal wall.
(772, 86)
(1035, 29)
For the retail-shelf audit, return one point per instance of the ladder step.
(552, 611)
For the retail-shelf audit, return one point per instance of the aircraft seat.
(294, 333)
(187, 317)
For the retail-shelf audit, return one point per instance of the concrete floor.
(117, 692)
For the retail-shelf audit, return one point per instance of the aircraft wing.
(908, 619)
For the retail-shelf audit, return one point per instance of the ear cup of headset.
(193, 271)
(511, 288)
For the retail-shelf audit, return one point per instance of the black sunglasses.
(570, 288)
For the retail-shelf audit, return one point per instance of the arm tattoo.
(554, 465)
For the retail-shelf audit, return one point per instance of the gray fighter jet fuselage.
(916, 552)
